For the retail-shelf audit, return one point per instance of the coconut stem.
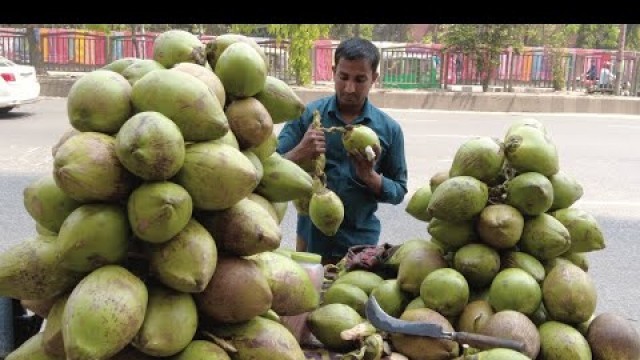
(318, 171)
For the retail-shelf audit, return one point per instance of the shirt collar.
(364, 117)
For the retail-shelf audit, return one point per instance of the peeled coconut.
(358, 137)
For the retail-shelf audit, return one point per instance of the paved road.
(598, 150)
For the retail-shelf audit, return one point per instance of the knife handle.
(486, 342)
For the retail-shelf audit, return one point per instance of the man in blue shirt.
(361, 184)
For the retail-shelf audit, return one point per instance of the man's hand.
(312, 144)
(364, 168)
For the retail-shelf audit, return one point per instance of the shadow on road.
(15, 115)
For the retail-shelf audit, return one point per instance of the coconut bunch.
(507, 257)
(158, 228)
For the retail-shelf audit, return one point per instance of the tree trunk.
(35, 55)
(620, 58)
(134, 41)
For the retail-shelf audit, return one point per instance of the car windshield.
(6, 62)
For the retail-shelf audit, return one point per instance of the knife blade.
(383, 321)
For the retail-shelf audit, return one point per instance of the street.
(599, 151)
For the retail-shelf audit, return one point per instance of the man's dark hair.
(357, 48)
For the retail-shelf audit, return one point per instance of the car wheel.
(5, 110)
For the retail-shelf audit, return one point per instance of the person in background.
(590, 75)
(361, 184)
(606, 77)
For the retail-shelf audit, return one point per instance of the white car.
(18, 85)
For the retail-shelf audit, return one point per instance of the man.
(606, 76)
(361, 184)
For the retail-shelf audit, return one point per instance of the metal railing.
(410, 66)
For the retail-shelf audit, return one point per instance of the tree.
(485, 42)
(301, 38)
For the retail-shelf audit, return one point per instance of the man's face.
(353, 80)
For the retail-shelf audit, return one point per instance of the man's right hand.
(311, 145)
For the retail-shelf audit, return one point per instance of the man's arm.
(394, 171)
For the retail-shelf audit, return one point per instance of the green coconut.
(87, 169)
(365, 280)
(579, 259)
(185, 100)
(259, 338)
(103, 313)
(170, 322)
(437, 179)
(544, 237)
(514, 325)
(569, 294)
(94, 235)
(52, 340)
(526, 121)
(500, 226)
(562, 341)
(452, 235)
(250, 122)
(474, 316)
(531, 193)
(31, 269)
(326, 211)
(417, 205)
(207, 76)
(266, 204)
(293, 290)
(241, 70)
(329, 320)
(175, 46)
(216, 46)
(237, 292)
(416, 303)
(119, 65)
(186, 262)
(422, 347)
(282, 103)
(358, 137)
(105, 113)
(233, 175)
(346, 294)
(515, 289)
(417, 262)
(529, 149)
(200, 350)
(566, 190)
(480, 157)
(497, 354)
(612, 337)
(158, 211)
(391, 298)
(458, 199)
(256, 163)
(266, 148)
(524, 261)
(47, 204)
(150, 146)
(446, 291)
(478, 263)
(283, 179)
(586, 234)
(63, 138)
(137, 70)
(32, 349)
(407, 247)
(245, 228)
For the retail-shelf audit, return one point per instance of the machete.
(383, 321)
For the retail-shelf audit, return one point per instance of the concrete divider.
(441, 100)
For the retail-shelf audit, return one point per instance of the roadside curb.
(441, 100)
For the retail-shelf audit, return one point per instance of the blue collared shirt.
(360, 225)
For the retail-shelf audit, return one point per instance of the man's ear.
(375, 76)
(333, 69)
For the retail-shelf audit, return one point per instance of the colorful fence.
(419, 66)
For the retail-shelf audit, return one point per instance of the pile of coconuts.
(506, 257)
(157, 232)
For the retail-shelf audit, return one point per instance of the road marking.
(635, 127)
(527, 114)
